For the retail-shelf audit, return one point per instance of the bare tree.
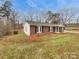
(77, 23)
(10, 16)
(14, 17)
(5, 11)
(67, 14)
(30, 15)
(2, 28)
(53, 17)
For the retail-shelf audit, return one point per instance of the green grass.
(52, 46)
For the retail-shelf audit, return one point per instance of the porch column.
(62, 29)
(58, 28)
(50, 29)
(55, 29)
(39, 29)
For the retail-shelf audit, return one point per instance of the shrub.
(15, 32)
(4, 28)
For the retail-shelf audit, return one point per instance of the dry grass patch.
(56, 46)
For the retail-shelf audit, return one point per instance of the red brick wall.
(33, 29)
(45, 29)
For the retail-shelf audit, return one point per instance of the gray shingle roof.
(44, 24)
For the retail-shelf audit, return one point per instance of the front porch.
(44, 29)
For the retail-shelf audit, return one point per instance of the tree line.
(64, 16)
(9, 17)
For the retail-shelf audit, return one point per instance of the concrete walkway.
(67, 31)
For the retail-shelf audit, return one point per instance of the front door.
(33, 29)
(53, 29)
(60, 29)
(36, 29)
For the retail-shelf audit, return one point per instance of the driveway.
(68, 31)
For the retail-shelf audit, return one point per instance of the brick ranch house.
(31, 28)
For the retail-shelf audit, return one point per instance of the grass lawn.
(55, 46)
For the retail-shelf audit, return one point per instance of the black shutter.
(49, 29)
